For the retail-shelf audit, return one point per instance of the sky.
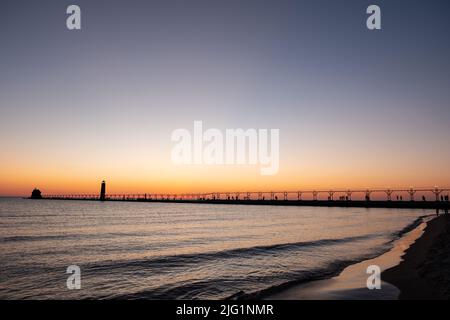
(355, 107)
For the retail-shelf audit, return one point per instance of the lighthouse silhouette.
(103, 191)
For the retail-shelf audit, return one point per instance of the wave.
(195, 258)
(221, 288)
(218, 286)
(76, 236)
(410, 226)
(332, 270)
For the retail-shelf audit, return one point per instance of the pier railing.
(382, 194)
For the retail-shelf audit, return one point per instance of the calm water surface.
(167, 251)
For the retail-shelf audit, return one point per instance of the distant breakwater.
(441, 205)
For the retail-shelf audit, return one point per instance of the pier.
(408, 198)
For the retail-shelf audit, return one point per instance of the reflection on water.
(160, 251)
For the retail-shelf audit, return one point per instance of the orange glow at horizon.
(173, 179)
(133, 169)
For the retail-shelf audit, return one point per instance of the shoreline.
(350, 283)
(424, 272)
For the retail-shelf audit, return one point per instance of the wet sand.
(351, 283)
(424, 272)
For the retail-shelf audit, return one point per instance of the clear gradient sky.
(355, 108)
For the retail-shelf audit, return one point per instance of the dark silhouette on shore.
(36, 194)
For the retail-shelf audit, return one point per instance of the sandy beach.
(424, 272)
(417, 267)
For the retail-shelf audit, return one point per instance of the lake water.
(133, 250)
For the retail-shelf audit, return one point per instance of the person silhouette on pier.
(446, 205)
